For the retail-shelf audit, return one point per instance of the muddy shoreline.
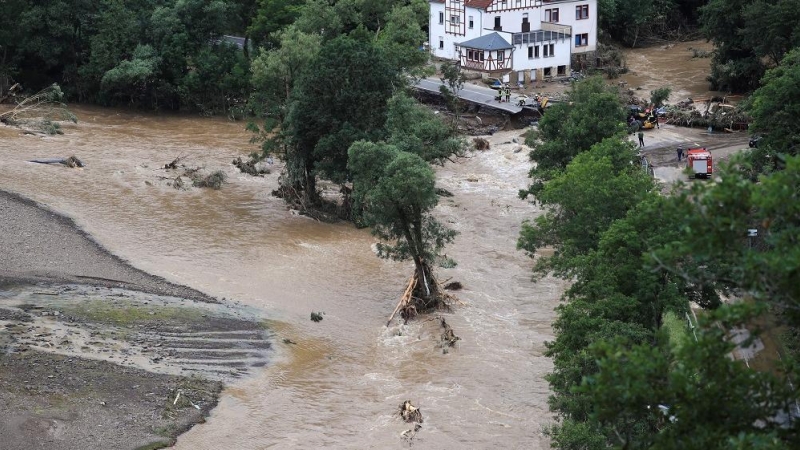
(95, 353)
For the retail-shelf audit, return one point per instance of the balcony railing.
(549, 32)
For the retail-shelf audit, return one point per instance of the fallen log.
(71, 162)
(406, 297)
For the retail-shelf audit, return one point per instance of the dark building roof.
(492, 41)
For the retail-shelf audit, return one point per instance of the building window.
(530, 52)
(441, 43)
(582, 40)
(548, 50)
(519, 3)
(500, 56)
(471, 23)
(533, 51)
(504, 4)
(497, 23)
(582, 12)
(548, 71)
(480, 54)
(453, 20)
(441, 18)
(561, 71)
(551, 15)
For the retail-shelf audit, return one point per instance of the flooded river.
(341, 384)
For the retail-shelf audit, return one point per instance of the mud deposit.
(97, 367)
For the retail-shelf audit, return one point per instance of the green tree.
(736, 65)
(694, 396)
(659, 96)
(597, 187)
(452, 82)
(341, 101)
(414, 128)
(272, 16)
(592, 114)
(775, 106)
(396, 192)
(133, 79)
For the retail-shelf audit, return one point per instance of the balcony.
(549, 32)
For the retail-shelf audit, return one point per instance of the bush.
(659, 96)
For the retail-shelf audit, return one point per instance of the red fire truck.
(699, 161)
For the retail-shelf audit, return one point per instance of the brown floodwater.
(670, 65)
(341, 384)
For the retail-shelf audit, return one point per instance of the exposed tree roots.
(422, 296)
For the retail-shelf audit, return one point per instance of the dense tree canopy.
(627, 371)
(592, 114)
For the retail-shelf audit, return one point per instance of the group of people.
(504, 92)
(636, 125)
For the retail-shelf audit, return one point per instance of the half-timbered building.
(514, 39)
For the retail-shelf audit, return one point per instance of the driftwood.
(453, 286)
(70, 162)
(448, 338)
(406, 298)
(410, 413)
(174, 164)
(249, 167)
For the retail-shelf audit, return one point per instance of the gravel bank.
(39, 245)
(95, 366)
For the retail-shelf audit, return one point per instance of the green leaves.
(592, 114)
(597, 187)
(395, 190)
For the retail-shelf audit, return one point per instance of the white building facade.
(517, 40)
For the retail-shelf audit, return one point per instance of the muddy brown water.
(340, 385)
(670, 65)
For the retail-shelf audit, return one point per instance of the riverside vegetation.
(327, 87)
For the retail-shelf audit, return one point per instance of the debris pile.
(410, 413)
(249, 167)
(214, 180)
(480, 143)
(448, 338)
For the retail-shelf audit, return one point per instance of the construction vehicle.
(699, 161)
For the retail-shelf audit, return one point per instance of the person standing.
(680, 153)
(641, 138)
(508, 94)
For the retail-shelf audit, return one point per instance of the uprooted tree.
(396, 192)
(39, 111)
